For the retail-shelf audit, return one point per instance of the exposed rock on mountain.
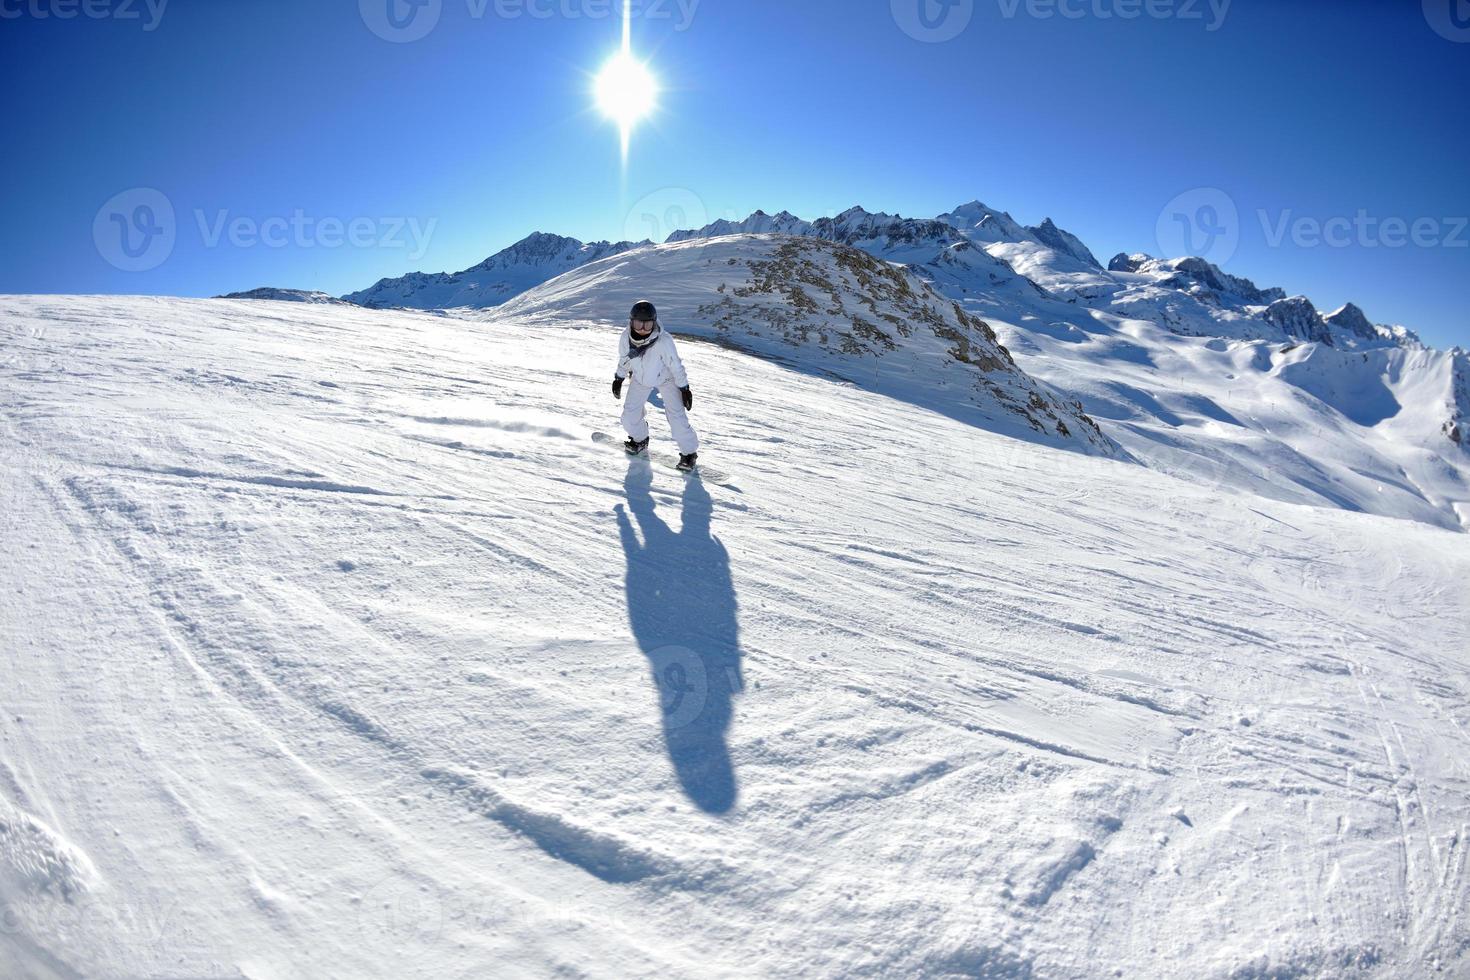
(1048, 234)
(1298, 318)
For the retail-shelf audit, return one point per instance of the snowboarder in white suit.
(648, 360)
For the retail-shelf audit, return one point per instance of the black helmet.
(643, 310)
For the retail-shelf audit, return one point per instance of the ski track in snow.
(320, 661)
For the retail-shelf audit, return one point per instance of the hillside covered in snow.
(334, 646)
(819, 306)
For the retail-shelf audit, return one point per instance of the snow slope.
(331, 644)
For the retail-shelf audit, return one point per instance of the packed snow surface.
(333, 646)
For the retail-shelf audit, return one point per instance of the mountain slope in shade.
(818, 305)
(509, 272)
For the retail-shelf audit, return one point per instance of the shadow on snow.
(682, 609)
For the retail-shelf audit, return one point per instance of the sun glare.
(625, 91)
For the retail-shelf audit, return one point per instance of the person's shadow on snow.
(681, 606)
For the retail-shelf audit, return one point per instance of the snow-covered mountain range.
(1186, 367)
(1193, 370)
(286, 295)
(507, 273)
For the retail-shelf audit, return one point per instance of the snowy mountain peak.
(986, 224)
(758, 223)
(1351, 320)
(554, 250)
(1063, 241)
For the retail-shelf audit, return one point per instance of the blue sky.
(286, 116)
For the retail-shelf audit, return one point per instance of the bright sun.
(625, 91)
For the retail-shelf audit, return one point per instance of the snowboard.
(706, 473)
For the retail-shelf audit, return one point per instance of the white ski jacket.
(656, 366)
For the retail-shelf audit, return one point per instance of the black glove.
(688, 398)
(617, 387)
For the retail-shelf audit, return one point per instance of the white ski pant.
(637, 425)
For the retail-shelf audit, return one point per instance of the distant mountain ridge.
(973, 247)
(285, 295)
(509, 272)
(1073, 273)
